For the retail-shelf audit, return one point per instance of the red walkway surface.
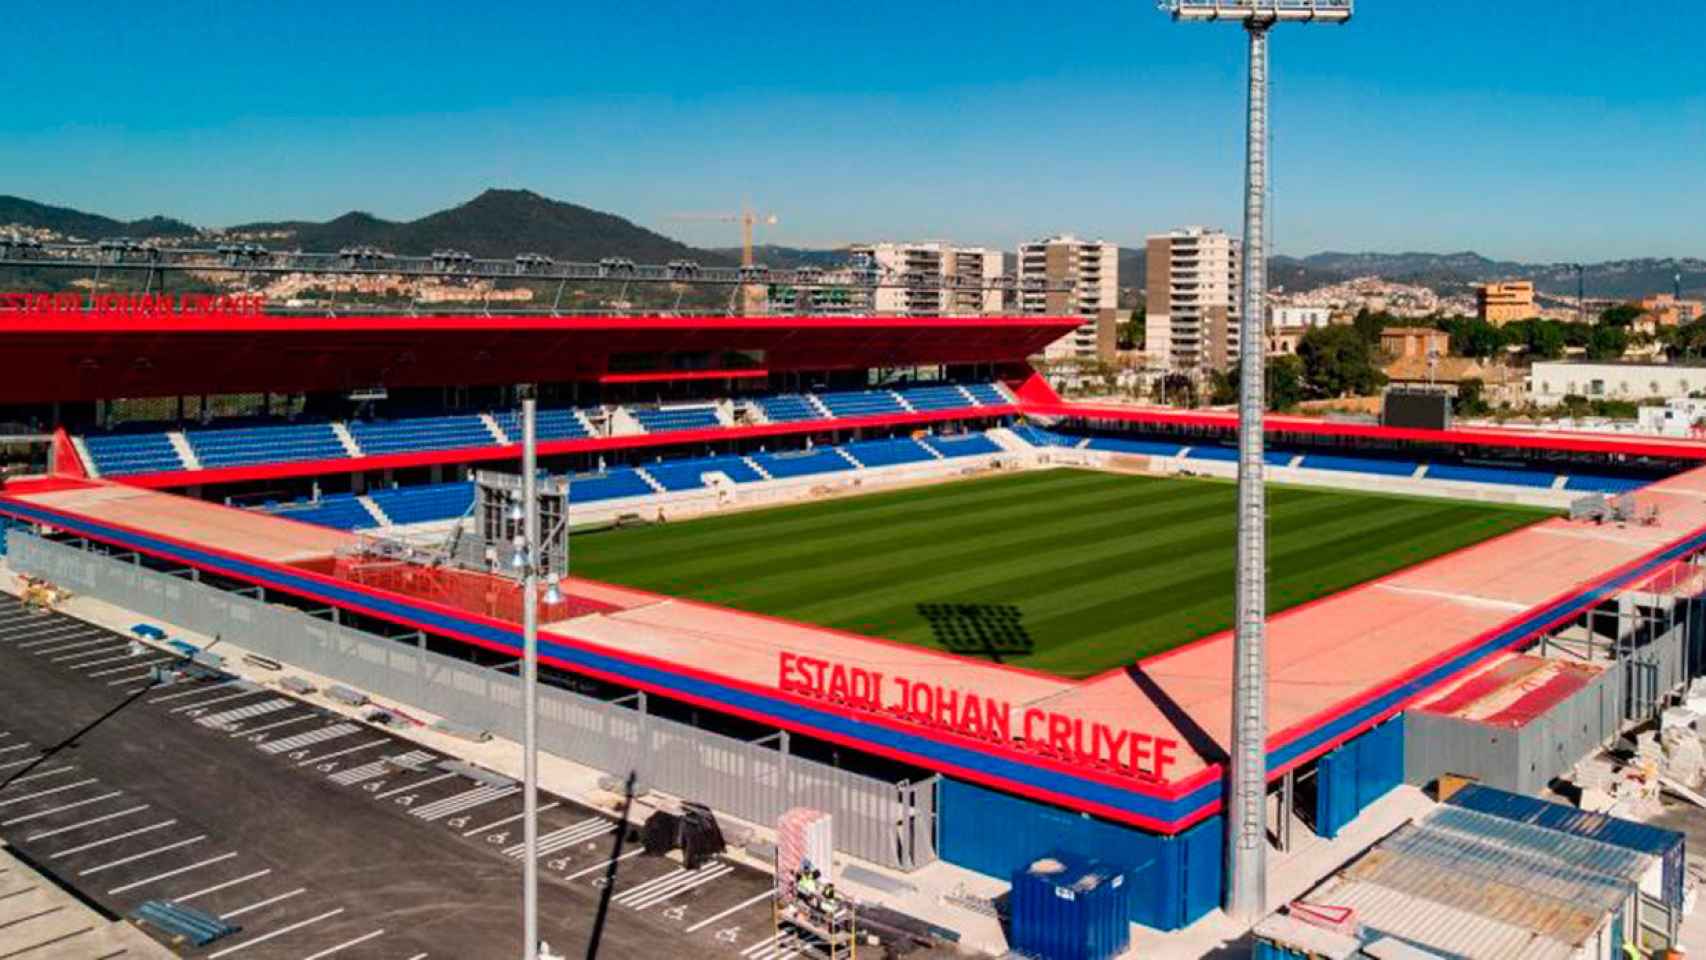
(1325, 657)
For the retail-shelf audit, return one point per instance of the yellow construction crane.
(747, 220)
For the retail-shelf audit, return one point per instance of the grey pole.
(530, 680)
(1246, 808)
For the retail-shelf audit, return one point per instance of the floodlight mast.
(1246, 804)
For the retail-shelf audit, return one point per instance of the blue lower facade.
(1356, 773)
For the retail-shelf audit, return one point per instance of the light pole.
(1246, 806)
(530, 676)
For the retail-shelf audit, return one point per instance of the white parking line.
(499, 823)
(264, 903)
(693, 881)
(170, 873)
(78, 826)
(63, 656)
(15, 746)
(19, 763)
(344, 753)
(208, 703)
(413, 786)
(52, 635)
(37, 776)
(143, 855)
(272, 726)
(132, 668)
(734, 909)
(127, 655)
(600, 866)
(186, 898)
(191, 693)
(44, 793)
(114, 839)
(276, 933)
(61, 809)
(343, 946)
(462, 802)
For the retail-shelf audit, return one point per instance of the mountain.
(88, 226)
(498, 224)
(787, 258)
(1453, 272)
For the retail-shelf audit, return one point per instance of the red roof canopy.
(81, 355)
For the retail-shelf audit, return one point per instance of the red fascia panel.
(64, 459)
(1537, 701)
(1586, 443)
(681, 376)
(640, 441)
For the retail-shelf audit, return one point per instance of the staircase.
(925, 443)
(650, 482)
(82, 449)
(378, 515)
(622, 423)
(971, 401)
(347, 439)
(849, 458)
(904, 403)
(586, 424)
(186, 453)
(496, 431)
(818, 405)
(757, 469)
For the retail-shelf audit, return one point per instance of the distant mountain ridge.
(502, 223)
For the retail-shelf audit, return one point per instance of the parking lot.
(319, 836)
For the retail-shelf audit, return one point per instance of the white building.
(1551, 381)
(1679, 417)
(1092, 268)
(935, 266)
(1193, 290)
(1298, 318)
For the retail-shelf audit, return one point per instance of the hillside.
(87, 226)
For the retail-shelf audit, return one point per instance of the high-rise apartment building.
(935, 266)
(1091, 271)
(1192, 309)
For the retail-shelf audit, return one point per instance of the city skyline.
(964, 127)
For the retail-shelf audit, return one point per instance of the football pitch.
(1068, 571)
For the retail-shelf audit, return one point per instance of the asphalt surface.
(305, 830)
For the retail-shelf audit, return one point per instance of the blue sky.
(1522, 129)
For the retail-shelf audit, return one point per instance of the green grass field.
(1071, 572)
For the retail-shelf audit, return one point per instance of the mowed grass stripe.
(1102, 568)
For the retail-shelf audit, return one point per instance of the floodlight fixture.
(1247, 780)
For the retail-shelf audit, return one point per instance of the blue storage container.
(1065, 907)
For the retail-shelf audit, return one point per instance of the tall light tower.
(1246, 805)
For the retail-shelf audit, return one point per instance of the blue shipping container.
(1175, 880)
(1065, 907)
(1627, 834)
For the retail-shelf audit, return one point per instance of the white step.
(925, 443)
(758, 469)
(373, 510)
(623, 423)
(497, 431)
(656, 486)
(586, 424)
(82, 449)
(818, 405)
(971, 401)
(1421, 472)
(348, 440)
(1008, 440)
(849, 457)
(186, 452)
(1559, 481)
(1296, 462)
(905, 403)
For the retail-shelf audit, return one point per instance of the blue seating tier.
(342, 511)
(660, 419)
(783, 465)
(788, 408)
(420, 433)
(686, 474)
(1221, 454)
(277, 443)
(1594, 483)
(1150, 448)
(1508, 476)
(1387, 468)
(935, 397)
(623, 482)
(121, 454)
(439, 501)
(987, 394)
(555, 424)
(968, 445)
(887, 453)
(1038, 437)
(861, 403)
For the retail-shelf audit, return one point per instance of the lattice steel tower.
(1246, 804)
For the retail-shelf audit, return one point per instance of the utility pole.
(1246, 805)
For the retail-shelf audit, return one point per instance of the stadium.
(870, 564)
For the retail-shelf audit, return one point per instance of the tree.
(1339, 362)
(1369, 323)
(1471, 400)
(1129, 335)
(1621, 315)
(1179, 389)
(1607, 342)
(1545, 340)
(1477, 338)
(1283, 380)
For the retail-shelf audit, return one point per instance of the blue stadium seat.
(966, 445)
(662, 419)
(1600, 483)
(420, 433)
(341, 511)
(555, 424)
(861, 403)
(267, 443)
(1511, 476)
(621, 482)
(125, 454)
(887, 453)
(1219, 454)
(1150, 448)
(686, 474)
(807, 463)
(425, 504)
(987, 394)
(788, 408)
(1038, 437)
(1387, 468)
(938, 396)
